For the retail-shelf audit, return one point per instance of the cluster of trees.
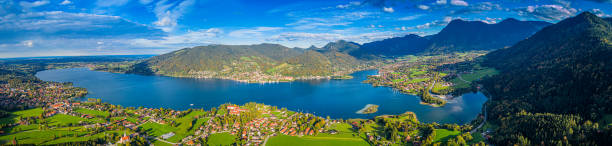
(427, 98)
(550, 129)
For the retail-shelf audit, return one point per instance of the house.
(124, 139)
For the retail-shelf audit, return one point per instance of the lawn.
(220, 139)
(185, 126)
(50, 137)
(418, 80)
(478, 74)
(331, 140)
(443, 135)
(92, 112)
(24, 113)
(155, 129)
(65, 120)
(183, 129)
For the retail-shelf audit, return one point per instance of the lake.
(334, 98)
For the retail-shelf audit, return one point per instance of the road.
(483, 121)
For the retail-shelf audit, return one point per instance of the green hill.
(564, 70)
(255, 63)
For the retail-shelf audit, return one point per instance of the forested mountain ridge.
(457, 36)
(563, 69)
(460, 35)
(255, 63)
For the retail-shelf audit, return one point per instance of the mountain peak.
(509, 20)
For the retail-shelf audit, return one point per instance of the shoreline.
(289, 79)
(367, 106)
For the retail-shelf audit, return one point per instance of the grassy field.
(476, 75)
(443, 135)
(183, 128)
(54, 136)
(221, 139)
(345, 136)
(155, 129)
(331, 140)
(92, 112)
(65, 120)
(24, 113)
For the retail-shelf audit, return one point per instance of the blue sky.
(107, 27)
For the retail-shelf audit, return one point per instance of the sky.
(114, 27)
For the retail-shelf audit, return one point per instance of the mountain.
(457, 36)
(563, 69)
(460, 35)
(262, 62)
(398, 46)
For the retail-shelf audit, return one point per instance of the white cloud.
(27, 5)
(350, 4)
(168, 13)
(600, 13)
(477, 8)
(65, 2)
(304, 39)
(458, 3)
(111, 3)
(423, 7)
(547, 12)
(189, 39)
(71, 25)
(490, 20)
(388, 9)
(252, 32)
(311, 23)
(441, 2)
(408, 18)
(28, 43)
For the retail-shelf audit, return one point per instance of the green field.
(322, 139)
(155, 129)
(184, 127)
(476, 75)
(345, 136)
(92, 112)
(55, 136)
(443, 135)
(67, 120)
(220, 139)
(24, 113)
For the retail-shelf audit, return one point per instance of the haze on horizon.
(111, 27)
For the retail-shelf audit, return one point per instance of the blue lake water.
(334, 98)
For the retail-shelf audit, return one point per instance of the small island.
(368, 109)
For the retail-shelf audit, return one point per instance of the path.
(483, 121)
(172, 143)
(266, 140)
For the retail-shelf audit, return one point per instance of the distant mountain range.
(273, 61)
(457, 36)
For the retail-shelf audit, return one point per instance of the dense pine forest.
(554, 87)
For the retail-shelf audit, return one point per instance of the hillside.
(457, 36)
(563, 69)
(254, 63)
(460, 35)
